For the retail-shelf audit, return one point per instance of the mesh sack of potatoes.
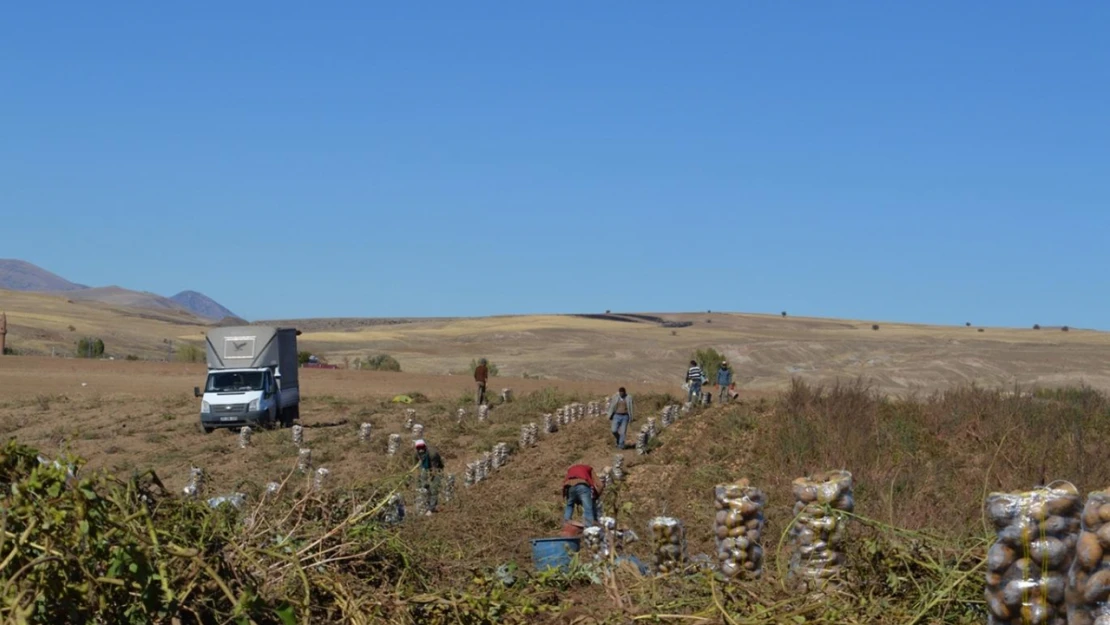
(1088, 592)
(668, 538)
(819, 528)
(739, 530)
(1035, 543)
(447, 493)
(483, 412)
(471, 475)
(550, 425)
(643, 439)
(394, 444)
(364, 431)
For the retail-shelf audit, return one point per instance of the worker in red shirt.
(580, 488)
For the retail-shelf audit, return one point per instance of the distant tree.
(90, 348)
(982, 330)
(784, 314)
(1065, 328)
(710, 361)
(968, 324)
(131, 357)
(874, 326)
(381, 362)
(303, 357)
(1036, 326)
(10, 351)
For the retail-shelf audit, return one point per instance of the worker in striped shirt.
(694, 377)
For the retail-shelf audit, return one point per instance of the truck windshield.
(235, 381)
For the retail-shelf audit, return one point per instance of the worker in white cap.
(431, 470)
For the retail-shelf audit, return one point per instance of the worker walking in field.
(481, 376)
(694, 379)
(581, 489)
(620, 415)
(431, 472)
(724, 379)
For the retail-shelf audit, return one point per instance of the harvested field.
(922, 468)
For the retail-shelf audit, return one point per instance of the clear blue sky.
(938, 162)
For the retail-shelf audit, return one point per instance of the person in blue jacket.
(724, 379)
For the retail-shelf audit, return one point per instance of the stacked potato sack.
(304, 460)
(319, 478)
(549, 424)
(533, 434)
(506, 395)
(483, 412)
(593, 409)
(272, 489)
(579, 411)
(470, 478)
(244, 437)
(593, 539)
(409, 422)
(500, 455)
(561, 416)
(461, 414)
(423, 501)
(410, 414)
(652, 430)
(485, 466)
(525, 432)
(819, 527)
(364, 432)
(1089, 579)
(739, 530)
(298, 435)
(643, 439)
(1027, 567)
(417, 431)
(606, 477)
(618, 468)
(669, 542)
(447, 493)
(196, 482)
(394, 510)
(394, 444)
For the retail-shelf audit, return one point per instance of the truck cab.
(245, 383)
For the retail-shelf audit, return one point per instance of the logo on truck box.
(239, 347)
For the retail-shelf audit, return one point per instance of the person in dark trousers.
(620, 415)
(694, 378)
(481, 376)
(431, 472)
(724, 379)
(581, 489)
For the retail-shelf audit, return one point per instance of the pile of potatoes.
(1027, 566)
(739, 530)
(669, 543)
(1088, 594)
(819, 527)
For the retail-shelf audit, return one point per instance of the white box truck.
(252, 378)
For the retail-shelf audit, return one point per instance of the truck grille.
(230, 408)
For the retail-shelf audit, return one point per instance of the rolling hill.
(766, 351)
(201, 305)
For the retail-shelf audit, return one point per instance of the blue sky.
(938, 162)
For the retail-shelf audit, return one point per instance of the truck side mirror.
(196, 392)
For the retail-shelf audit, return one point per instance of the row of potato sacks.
(1050, 563)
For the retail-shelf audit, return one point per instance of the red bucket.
(572, 529)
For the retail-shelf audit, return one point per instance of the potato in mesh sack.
(738, 527)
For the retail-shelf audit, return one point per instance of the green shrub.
(131, 357)
(302, 357)
(11, 351)
(90, 348)
(381, 362)
(190, 353)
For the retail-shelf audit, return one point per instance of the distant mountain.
(18, 275)
(202, 306)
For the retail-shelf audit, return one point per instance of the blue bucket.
(554, 553)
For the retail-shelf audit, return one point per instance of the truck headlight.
(253, 407)
(205, 408)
